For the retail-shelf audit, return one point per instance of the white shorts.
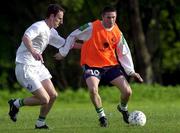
(30, 77)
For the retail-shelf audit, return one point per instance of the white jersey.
(84, 33)
(40, 35)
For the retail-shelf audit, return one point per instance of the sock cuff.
(21, 102)
(41, 118)
(122, 107)
(123, 104)
(98, 110)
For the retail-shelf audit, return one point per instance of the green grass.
(73, 112)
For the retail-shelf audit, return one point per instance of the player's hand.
(137, 77)
(78, 44)
(58, 56)
(37, 56)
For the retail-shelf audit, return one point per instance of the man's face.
(58, 19)
(109, 19)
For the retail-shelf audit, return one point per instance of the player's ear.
(51, 16)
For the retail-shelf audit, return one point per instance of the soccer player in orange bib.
(105, 55)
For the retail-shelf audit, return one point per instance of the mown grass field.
(73, 112)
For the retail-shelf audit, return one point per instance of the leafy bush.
(141, 92)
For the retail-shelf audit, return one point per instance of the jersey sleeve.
(55, 39)
(82, 33)
(32, 32)
(124, 56)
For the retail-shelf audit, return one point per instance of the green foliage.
(161, 16)
(155, 92)
(75, 5)
(142, 92)
(79, 96)
(170, 42)
(3, 79)
(171, 60)
(5, 95)
(177, 16)
(108, 94)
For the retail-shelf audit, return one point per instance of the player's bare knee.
(44, 100)
(128, 93)
(54, 96)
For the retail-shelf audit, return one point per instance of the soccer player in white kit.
(30, 70)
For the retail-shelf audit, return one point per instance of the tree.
(142, 55)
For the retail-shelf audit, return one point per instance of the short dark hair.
(108, 9)
(54, 9)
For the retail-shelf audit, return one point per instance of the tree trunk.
(143, 59)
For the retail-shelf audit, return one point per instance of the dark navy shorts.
(107, 74)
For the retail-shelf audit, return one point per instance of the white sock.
(101, 114)
(40, 123)
(17, 103)
(124, 108)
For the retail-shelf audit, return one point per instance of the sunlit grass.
(77, 115)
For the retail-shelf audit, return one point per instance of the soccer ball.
(137, 118)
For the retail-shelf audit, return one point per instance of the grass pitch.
(80, 117)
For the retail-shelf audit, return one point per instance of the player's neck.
(106, 27)
(47, 21)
